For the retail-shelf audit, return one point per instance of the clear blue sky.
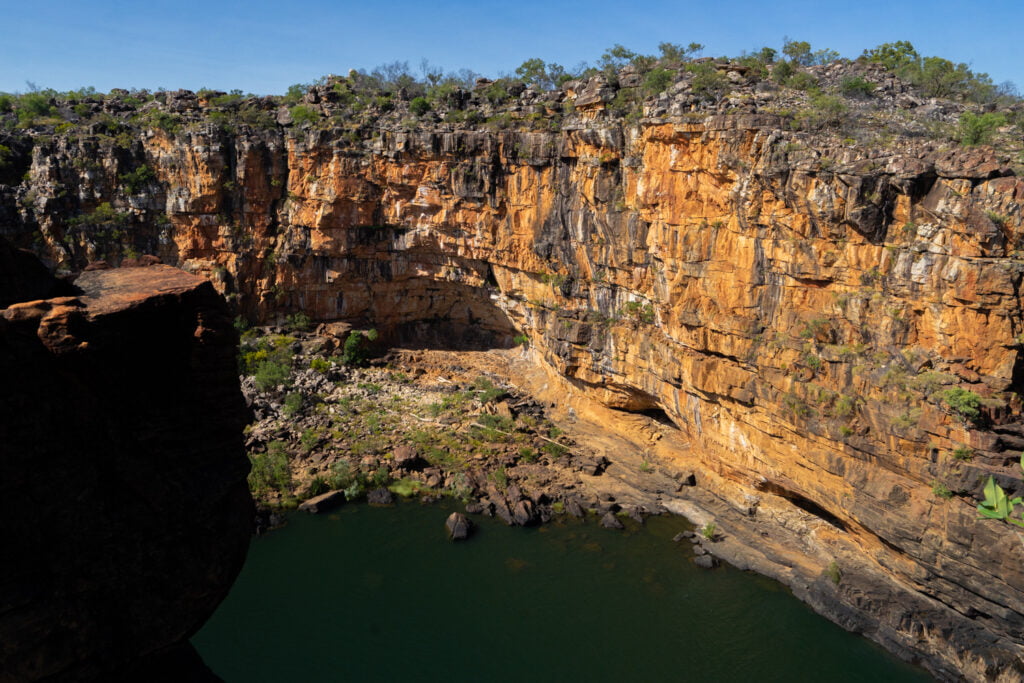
(261, 46)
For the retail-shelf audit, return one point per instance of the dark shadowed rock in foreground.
(125, 511)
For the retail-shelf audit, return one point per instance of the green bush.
(104, 215)
(299, 322)
(997, 505)
(965, 403)
(707, 82)
(709, 531)
(658, 81)
(856, 86)
(32, 106)
(973, 129)
(137, 179)
(270, 471)
(802, 80)
(356, 350)
(317, 487)
(340, 476)
(270, 374)
(825, 111)
(963, 453)
(165, 121)
(782, 72)
(419, 106)
(302, 114)
(940, 490)
(293, 403)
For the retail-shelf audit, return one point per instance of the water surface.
(372, 594)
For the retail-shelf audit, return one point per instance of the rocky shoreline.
(414, 423)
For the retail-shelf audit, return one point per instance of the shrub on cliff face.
(138, 179)
(964, 403)
(978, 130)
(104, 215)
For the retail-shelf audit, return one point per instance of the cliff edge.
(122, 472)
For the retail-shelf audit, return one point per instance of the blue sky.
(261, 46)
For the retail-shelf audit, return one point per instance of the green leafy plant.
(709, 530)
(997, 505)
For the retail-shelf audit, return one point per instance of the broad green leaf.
(996, 505)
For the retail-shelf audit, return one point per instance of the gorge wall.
(126, 510)
(798, 305)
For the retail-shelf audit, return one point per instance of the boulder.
(610, 521)
(380, 496)
(458, 526)
(323, 502)
(523, 513)
(706, 561)
(407, 458)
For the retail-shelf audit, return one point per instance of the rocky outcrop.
(834, 331)
(122, 474)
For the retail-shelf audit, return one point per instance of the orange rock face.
(799, 310)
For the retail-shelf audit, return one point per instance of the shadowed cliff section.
(122, 475)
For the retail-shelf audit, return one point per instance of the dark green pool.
(380, 595)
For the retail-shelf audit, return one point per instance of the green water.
(370, 594)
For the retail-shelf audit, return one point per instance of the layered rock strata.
(799, 307)
(122, 474)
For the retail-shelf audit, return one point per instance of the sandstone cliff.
(122, 471)
(835, 329)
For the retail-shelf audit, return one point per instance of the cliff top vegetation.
(888, 94)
